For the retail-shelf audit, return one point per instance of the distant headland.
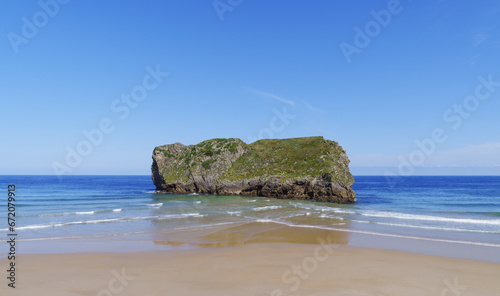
(310, 168)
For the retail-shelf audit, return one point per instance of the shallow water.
(461, 210)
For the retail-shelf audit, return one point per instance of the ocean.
(462, 210)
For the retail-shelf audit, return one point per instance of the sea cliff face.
(309, 168)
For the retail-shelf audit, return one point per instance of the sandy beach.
(274, 262)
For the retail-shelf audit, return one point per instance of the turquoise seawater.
(463, 210)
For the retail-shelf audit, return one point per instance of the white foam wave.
(66, 214)
(66, 224)
(322, 208)
(114, 220)
(36, 226)
(156, 205)
(237, 213)
(185, 215)
(396, 215)
(192, 215)
(268, 221)
(430, 218)
(428, 227)
(266, 208)
(295, 215)
(330, 217)
(85, 213)
(76, 213)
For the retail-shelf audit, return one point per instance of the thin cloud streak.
(480, 38)
(272, 96)
(310, 107)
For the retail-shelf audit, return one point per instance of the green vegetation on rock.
(291, 159)
(233, 160)
(210, 158)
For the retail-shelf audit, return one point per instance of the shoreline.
(235, 234)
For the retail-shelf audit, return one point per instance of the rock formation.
(309, 168)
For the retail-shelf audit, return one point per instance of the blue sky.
(250, 69)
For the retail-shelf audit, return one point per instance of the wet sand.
(255, 259)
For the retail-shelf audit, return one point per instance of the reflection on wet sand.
(250, 233)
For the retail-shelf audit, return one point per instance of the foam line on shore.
(384, 234)
(428, 227)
